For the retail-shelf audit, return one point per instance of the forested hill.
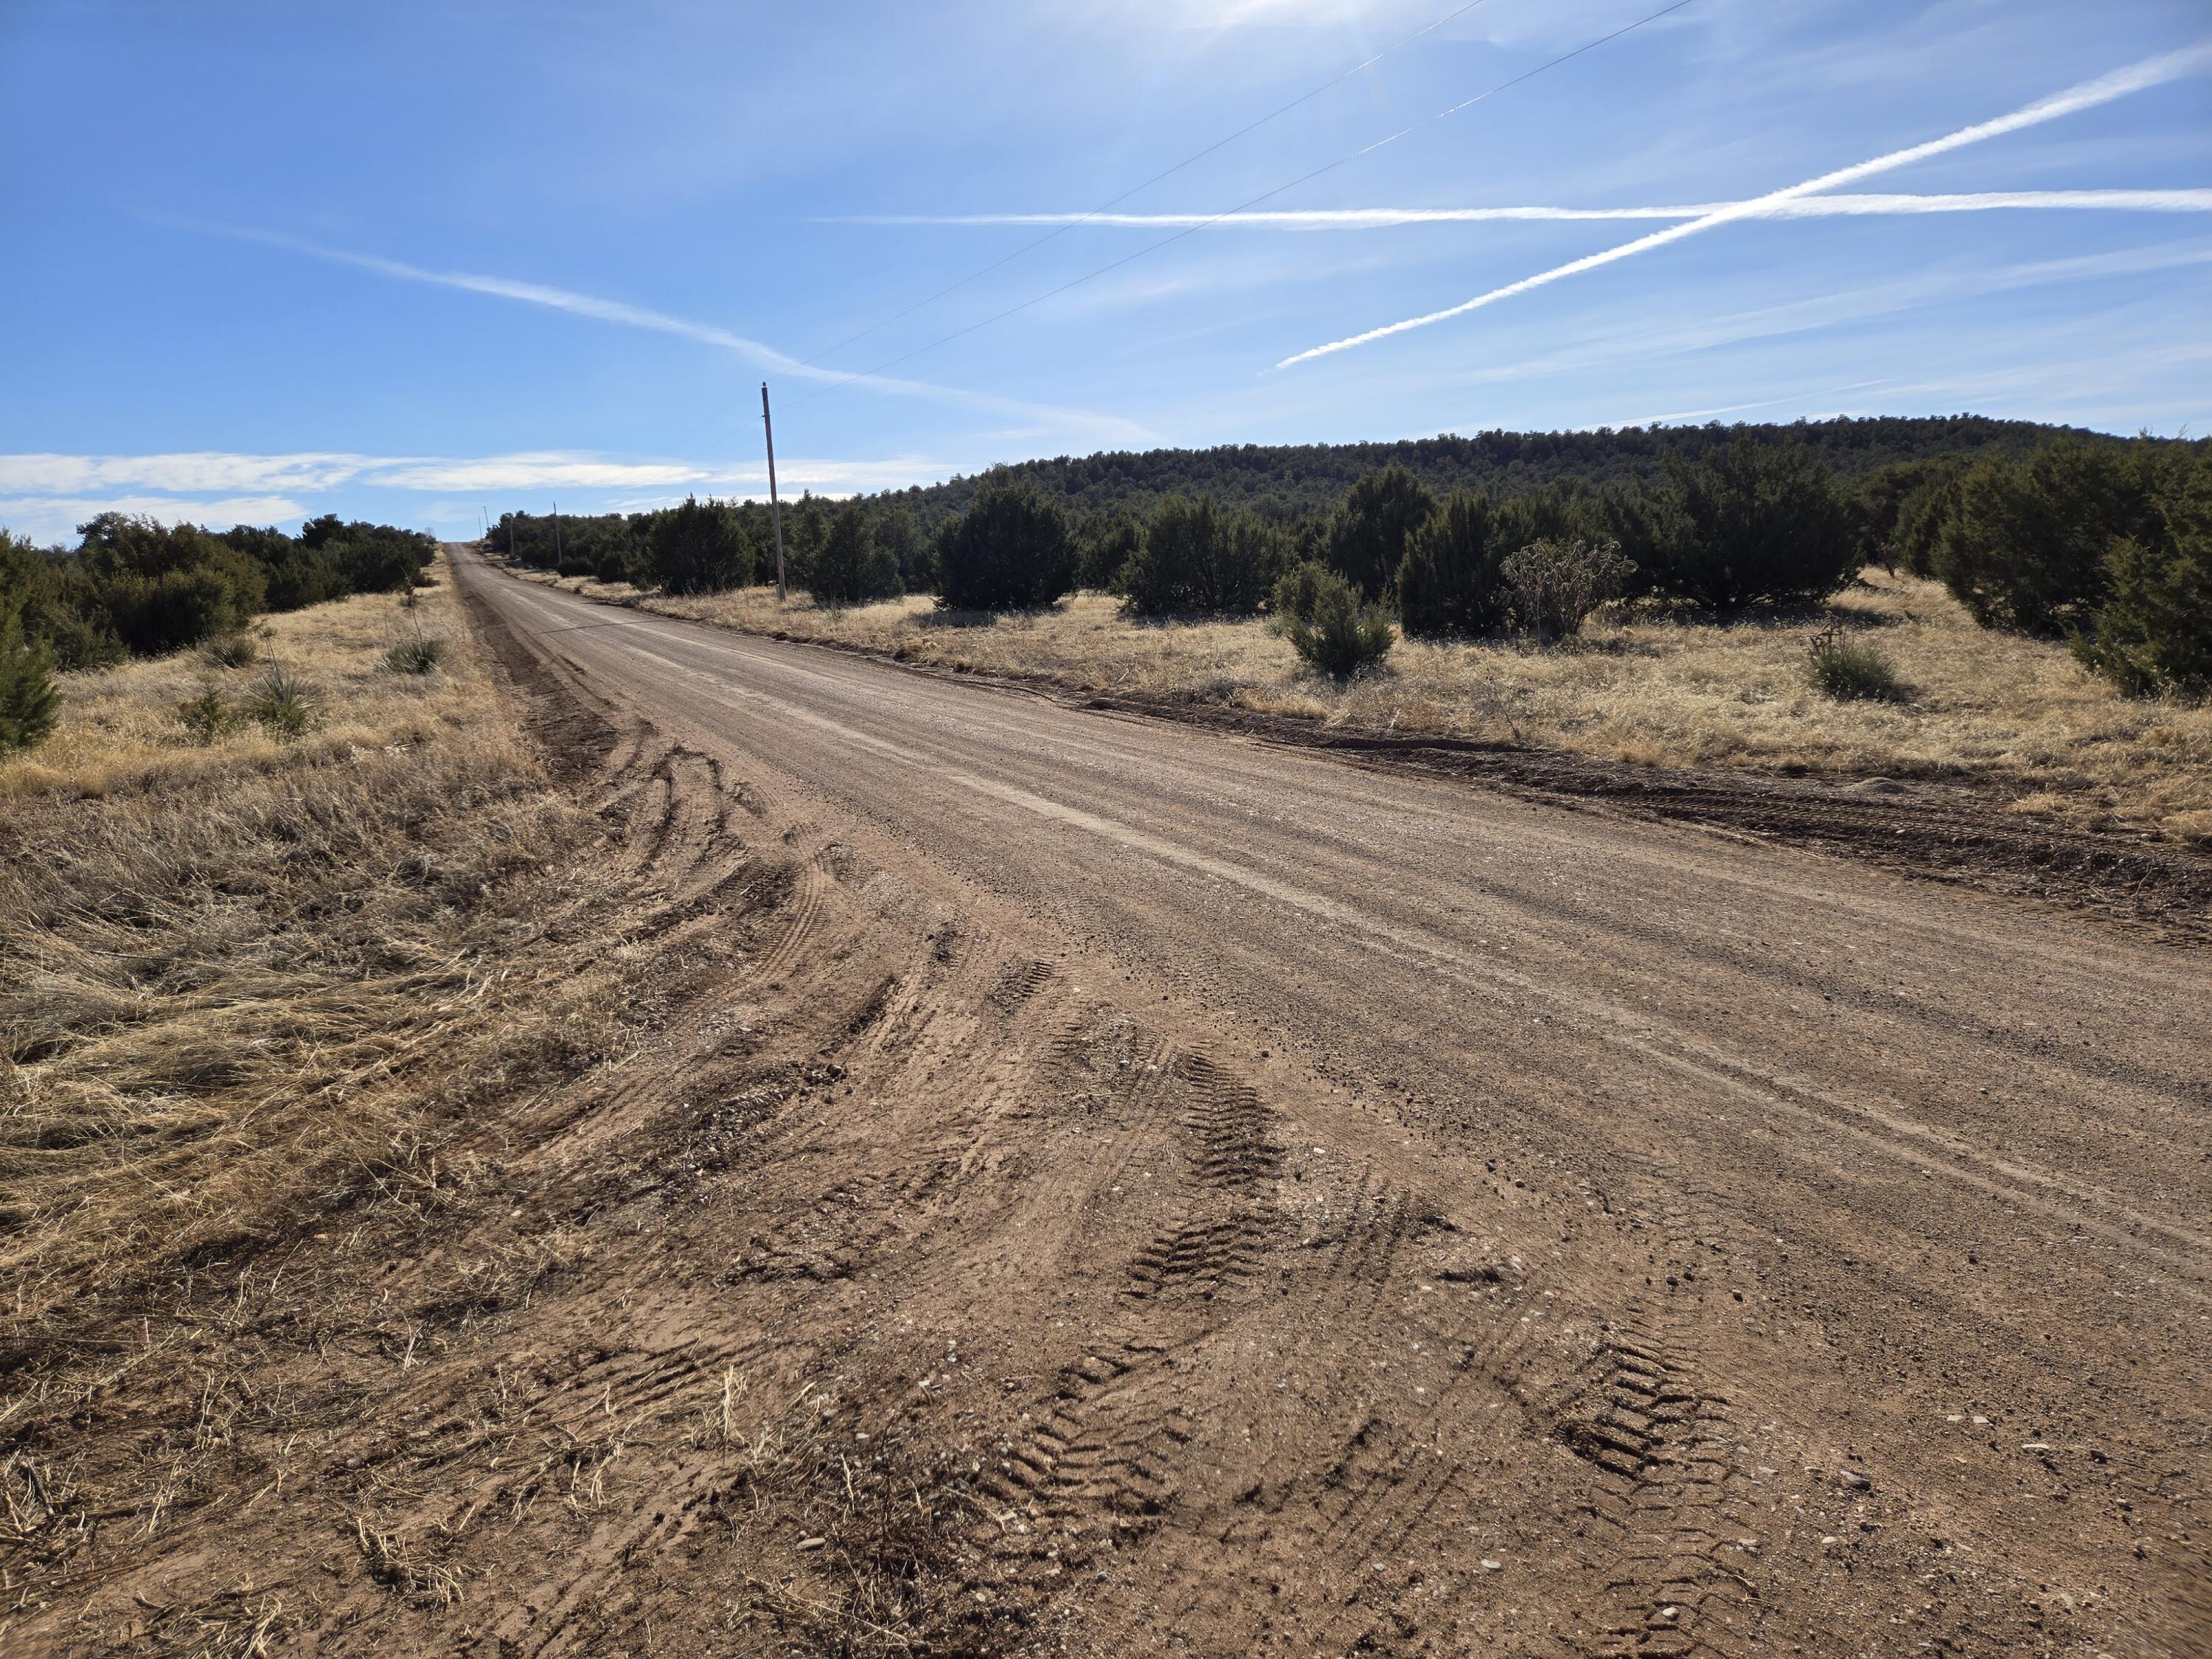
(1288, 479)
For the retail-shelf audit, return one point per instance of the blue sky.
(403, 261)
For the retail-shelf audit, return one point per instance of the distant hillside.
(1287, 480)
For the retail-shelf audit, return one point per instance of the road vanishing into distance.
(1449, 1222)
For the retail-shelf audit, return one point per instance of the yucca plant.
(418, 656)
(231, 650)
(283, 703)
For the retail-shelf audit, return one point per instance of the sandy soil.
(1089, 1184)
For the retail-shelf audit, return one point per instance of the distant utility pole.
(774, 509)
(556, 535)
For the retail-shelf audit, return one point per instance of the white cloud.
(1811, 207)
(55, 518)
(190, 473)
(48, 495)
(2087, 95)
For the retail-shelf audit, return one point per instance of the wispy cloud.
(1812, 207)
(47, 495)
(55, 518)
(623, 315)
(2088, 94)
(195, 472)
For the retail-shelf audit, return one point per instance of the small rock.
(1489, 1565)
(812, 1543)
(1853, 1480)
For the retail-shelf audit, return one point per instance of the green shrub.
(2153, 632)
(1744, 524)
(369, 558)
(1850, 670)
(698, 547)
(231, 650)
(1925, 514)
(155, 615)
(1295, 594)
(415, 656)
(29, 704)
(2025, 547)
(283, 703)
(1551, 586)
(1108, 541)
(207, 716)
(1010, 550)
(1338, 633)
(1368, 535)
(1892, 502)
(1196, 559)
(852, 567)
(1448, 582)
(897, 533)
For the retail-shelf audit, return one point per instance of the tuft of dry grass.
(2014, 716)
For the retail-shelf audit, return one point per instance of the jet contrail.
(1809, 207)
(2151, 72)
(661, 322)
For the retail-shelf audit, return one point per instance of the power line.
(1264, 195)
(1103, 207)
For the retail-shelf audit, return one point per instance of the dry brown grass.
(2016, 715)
(119, 729)
(253, 971)
(256, 999)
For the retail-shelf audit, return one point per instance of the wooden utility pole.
(556, 536)
(775, 507)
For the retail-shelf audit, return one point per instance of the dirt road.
(1334, 1210)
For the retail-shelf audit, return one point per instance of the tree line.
(1284, 483)
(132, 587)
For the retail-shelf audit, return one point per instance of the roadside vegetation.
(2033, 620)
(282, 935)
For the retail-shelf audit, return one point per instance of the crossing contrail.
(1808, 206)
(2137, 77)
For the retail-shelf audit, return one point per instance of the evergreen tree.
(1448, 581)
(1749, 524)
(1108, 541)
(1367, 538)
(1194, 559)
(697, 548)
(2026, 546)
(852, 567)
(2153, 632)
(29, 705)
(899, 536)
(1010, 550)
